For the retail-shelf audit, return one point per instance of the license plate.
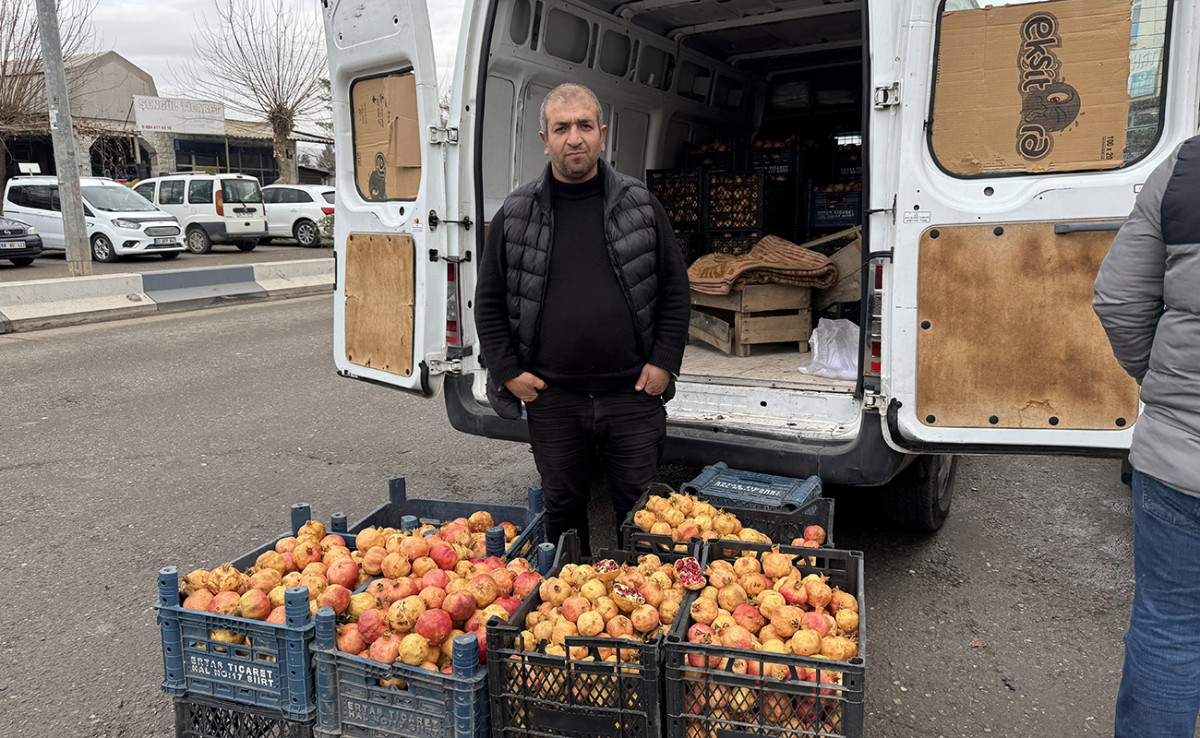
(12, 244)
(164, 242)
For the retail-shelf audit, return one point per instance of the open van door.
(1008, 141)
(390, 290)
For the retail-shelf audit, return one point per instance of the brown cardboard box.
(1033, 88)
(387, 137)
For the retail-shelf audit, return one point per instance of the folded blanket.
(772, 260)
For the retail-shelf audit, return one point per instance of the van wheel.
(919, 497)
(247, 245)
(168, 255)
(306, 233)
(198, 241)
(22, 261)
(102, 249)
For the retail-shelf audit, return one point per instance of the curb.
(54, 303)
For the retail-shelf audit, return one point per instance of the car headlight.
(127, 224)
(32, 231)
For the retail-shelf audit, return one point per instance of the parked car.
(296, 211)
(119, 221)
(19, 242)
(213, 208)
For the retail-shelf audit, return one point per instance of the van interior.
(745, 117)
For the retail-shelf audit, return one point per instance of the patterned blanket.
(772, 260)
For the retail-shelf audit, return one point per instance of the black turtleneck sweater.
(586, 338)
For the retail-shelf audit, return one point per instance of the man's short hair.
(571, 91)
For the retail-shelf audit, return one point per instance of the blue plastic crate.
(721, 485)
(272, 669)
(393, 514)
(201, 717)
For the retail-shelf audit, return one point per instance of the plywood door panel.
(1006, 335)
(379, 302)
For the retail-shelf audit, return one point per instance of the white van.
(1002, 146)
(119, 221)
(213, 208)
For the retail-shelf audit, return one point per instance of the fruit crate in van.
(834, 209)
(781, 524)
(707, 696)
(721, 485)
(538, 694)
(679, 192)
(775, 161)
(732, 243)
(200, 717)
(733, 200)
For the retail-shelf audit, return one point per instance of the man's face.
(573, 140)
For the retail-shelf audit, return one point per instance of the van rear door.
(391, 283)
(1008, 143)
(242, 207)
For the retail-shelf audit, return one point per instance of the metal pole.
(228, 168)
(79, 262)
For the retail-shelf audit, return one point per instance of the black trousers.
(571, 431)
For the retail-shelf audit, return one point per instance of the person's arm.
(491, 307)
(673, 309)
(1129, 287)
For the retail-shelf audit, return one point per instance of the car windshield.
(328, 197)
(240, 190)
(115, 199)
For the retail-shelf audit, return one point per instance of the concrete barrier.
(47, 303)
(185, 289)
(295, 278)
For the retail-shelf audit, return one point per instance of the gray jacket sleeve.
(1129, 287)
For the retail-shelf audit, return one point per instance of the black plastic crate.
(199, 717)
(706, 156)
(721, 485)
(732, 243)
(733, 200)
(688, 247)
(539, 694)
(776, 161)
(679, 192)
(781, 524)
(707, 696)
(784, 208)
(827, 210)
(847, 163)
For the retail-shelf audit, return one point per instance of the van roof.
(44, 179)
(206, 175)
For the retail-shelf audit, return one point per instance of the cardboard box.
(1033, 88)
(387, 137)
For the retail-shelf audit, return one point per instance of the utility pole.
(79, 258)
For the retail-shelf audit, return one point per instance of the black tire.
(919, 497)
(247, 245)
(264, 240)
(198, 241)
(22, 261)
(168, 255)
(306, 233)
(103, 249)
(1126, 469)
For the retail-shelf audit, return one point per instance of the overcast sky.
(156, 35)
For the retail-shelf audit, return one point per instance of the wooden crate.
(752, 314)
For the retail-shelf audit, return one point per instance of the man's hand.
(653, 380)
(526, 387)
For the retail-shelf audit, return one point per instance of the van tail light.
(873, 320)
(453, 333)
(327, 211)
(219, 199)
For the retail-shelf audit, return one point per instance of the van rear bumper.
(865, 461)
(218, 232)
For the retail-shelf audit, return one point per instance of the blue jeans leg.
(1160, 683)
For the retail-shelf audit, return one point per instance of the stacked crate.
(681, 196)
(783, 198)
(733, 211)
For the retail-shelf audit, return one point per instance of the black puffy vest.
(631, 237)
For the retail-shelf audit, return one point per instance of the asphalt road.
(53, 264)
(183, 439)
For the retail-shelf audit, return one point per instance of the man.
(582, 309)
(1148, 299)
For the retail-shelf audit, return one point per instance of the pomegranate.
(767, 633)
(435, 578)
(479, 522)
(343, 572)
(593, 589)
(723, 620)
(736, 636)
(271, 560)
(626, 598)
(667, 611)
(255, 605)
(651, 593)
(224, 579)
(422, 566)
(847, 620)
(394, 565)
(554, 591)
(402, 616)
(840, 600)
(285, 544)
(590, 624)
(198, 600)
(316, 584)
(350, 640)
(443, 555)
(371, 624)
(369, 538)
(503, 579)
(433, 597)
(197, 579)
(631, 578)
(434, 626)
(768, 601)
(819, 592)
(278, 616)
(704, 610)
(731, 596)
(476, 622)
(786, 620)
(525, 583)
(776, 565)
(575, 606)
(746, 565)
(607, 608)
(720, 576)
(814, 533)
(484, 588)
(226, 603)
(509, 603)
(806, 642)
(754, 583)
(793, 591)
(460, 605)
(359, 603)
(606, 570)
(335, 596)
(316, 567)
(386, 649)
(307, 551)
(494, 562)
(414, 547)
(372, 561)
(822, 622)
(748, 617)
(697, 632)
(456, 533)
(645, 618)
(619, 627)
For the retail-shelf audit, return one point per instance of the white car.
(119, 221)
(296, 211)
(213, 208)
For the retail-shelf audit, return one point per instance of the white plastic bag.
(834, 346)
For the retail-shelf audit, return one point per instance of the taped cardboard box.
(387, 137)
(1033, 88)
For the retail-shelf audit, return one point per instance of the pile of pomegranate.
(683, 517)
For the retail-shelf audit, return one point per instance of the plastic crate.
(352, 703)
(271, 670)
(732, 158)
(535, 694)
(720, 702)
(400, 512)
(733, 200)
(834, 209)
(780, 161)
(200, 717)
(784, 208)
(687, 246)
(781, 524)
(733, 244)
(679, 192)
(719, 484)
(847, 163)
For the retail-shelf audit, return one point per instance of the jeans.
(1160, 683)
(569, 431)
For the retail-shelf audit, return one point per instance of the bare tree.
(23, 106)
(263, 58)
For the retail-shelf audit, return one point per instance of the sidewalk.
(35, 304)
